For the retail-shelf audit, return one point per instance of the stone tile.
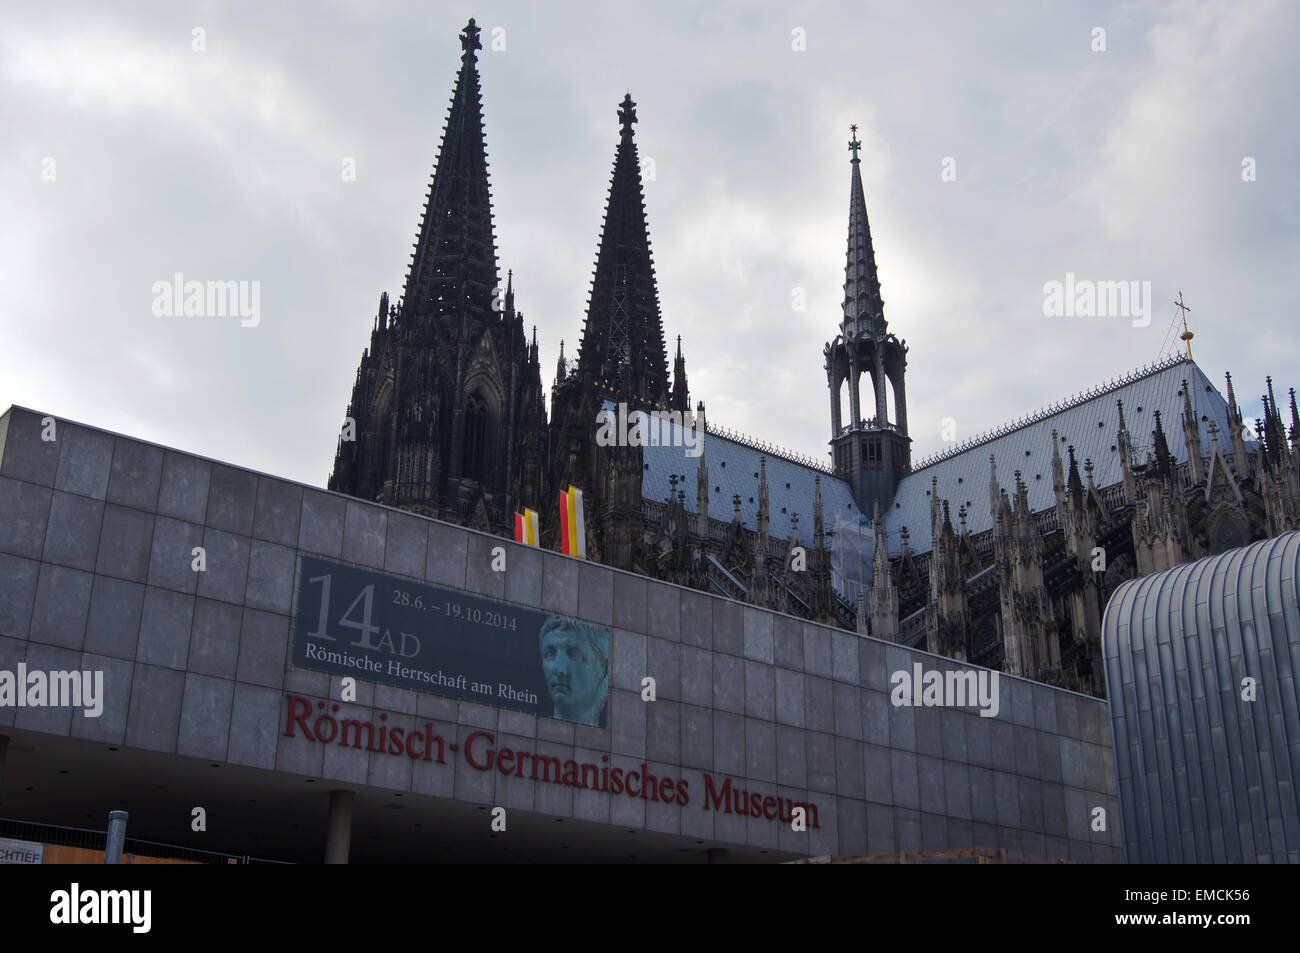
(124, 543)
(956, 789)
(760, 701)
(983, 805)
(729, 743)
(364, 533)
(787, 643)
(153, 719)
(849, 776)
(630, 609)
(1053, 810)
(24, 518)
(482, 575)
(113, 622)
(1022, 703)
(523, 575)
(696, 620)
(262, 644)
(929, 776)
(759, 644)
(790, 702)
(1002, 744)
(1031, 803)
(110, 726)
(11, 653)
(23, 454)
(791, 762)
(165, 628)
(1006, 799)
(979, 741)
(819, 751)
(62, 604)
(902, 727)
(629, 656)
(72, 534)
(296, 752)
(1044, 710)
(559, 584)
(817, 651)
(85, 457)
(595, 593)
(232, 500)
(697, 676)
(406, 545)
(877, 770)
(663, 611)
(728, 627)
(205, 717)
(880, 829)
(514, 722)
(904, 777)
(1071, 760)
(214, 638)
(844, 657)
(663, 663)
(171, 556)
(929, 737)
(819, 704)
(876, 712)
(392, 699)
(760, 750)
(1049, 756)
(278, 512)
(226, 576)
(18, 579)
(1067, 714)
(387, 770)
(183, 493)
(952, 730)
(320, 531)
(628, 725)
(851, 822)
(728, 684)
(270, 577)
(663, 731)
(871, 666)
(847, 705)
(697, 736)
(135, 475)
(432, 773)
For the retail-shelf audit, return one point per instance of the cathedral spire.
(454, 266)
(863, 304)
(623, 333)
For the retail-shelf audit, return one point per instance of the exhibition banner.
(390, 630)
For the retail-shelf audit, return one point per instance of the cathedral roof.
(733, 471)
(1089, 424)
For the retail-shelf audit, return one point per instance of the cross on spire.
(1187, 335)
(469, 41)
(627, 113)
(854, 145)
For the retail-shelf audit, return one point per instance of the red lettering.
(631, 793)
(409, 753)
(395, 741)
(649, 783)
(358, 725)
(519, 765)
(429, 739)
(769, 803)
(334, 728)
(469, 750)
(721, 799)
(755, 806)
(666, 790)
(300, 717)
(616, 781)
(683, 796)
(502, 755)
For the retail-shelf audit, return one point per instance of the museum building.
(328, 678)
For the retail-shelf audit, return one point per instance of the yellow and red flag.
(526, 527)
(573, 534)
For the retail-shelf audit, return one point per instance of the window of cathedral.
(475, 437)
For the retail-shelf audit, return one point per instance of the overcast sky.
(131, 156)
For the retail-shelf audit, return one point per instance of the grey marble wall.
(96, 535)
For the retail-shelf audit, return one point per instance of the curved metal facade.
(1206, 776)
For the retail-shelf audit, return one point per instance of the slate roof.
(1091, 426)
(733, 470)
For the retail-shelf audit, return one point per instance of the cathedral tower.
(872, 453)
(447, 417)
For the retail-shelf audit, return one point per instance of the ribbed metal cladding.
(1205, 776)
